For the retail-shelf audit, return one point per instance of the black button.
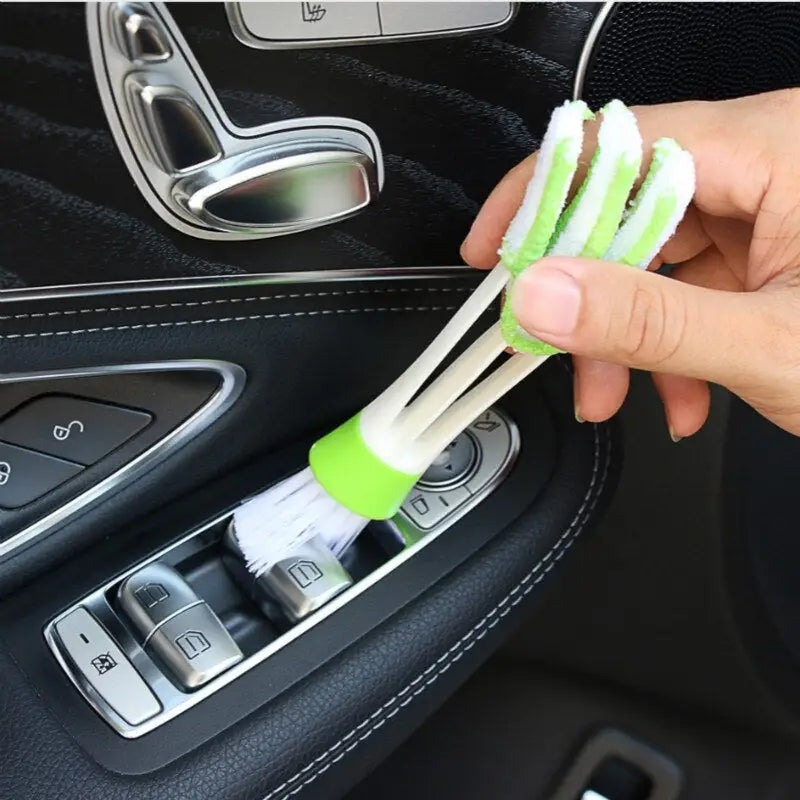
(78, 430)
(25, 475)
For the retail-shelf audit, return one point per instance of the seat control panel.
(192, 618)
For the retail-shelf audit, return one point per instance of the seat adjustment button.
(78, 430)
(104, 666)
(176, 131)
(25, 475)
(153, 594)
(141, 37)
(195, 646)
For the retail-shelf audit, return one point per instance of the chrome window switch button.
(195, 646)
(104, 667)
(306, 579)
(154, 594)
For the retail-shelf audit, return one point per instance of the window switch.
(77, 430)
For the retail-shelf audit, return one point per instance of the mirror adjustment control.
(154, 594)
(105, 668)
(454, 465)
(26, 475)
(195, 645)
(78, 430)
(426, 509)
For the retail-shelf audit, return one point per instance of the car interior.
(228, 226)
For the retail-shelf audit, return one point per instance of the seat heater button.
(140, 37)
(153, 594)
(105, 667)
(78, 430)
(400, 18)
(306, 580)
(25, 475)
(195, 646)
(316, 20)
(453, 465)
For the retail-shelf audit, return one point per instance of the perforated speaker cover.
(662, 52)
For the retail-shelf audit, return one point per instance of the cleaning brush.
(365, 468)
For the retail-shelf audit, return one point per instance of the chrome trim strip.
(249, 39)
(588, 48)
(175, 702)
(233, 379)
(225, 281)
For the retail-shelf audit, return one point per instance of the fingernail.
(578, 417)
(546, 301)
(674, 438)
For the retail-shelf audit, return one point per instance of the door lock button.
(195, 646)
(68, 427)
(25, 475)
(154, 594)
(104, 666)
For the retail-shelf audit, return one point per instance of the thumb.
(615, 313)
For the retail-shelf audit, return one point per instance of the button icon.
(62, 432)
(192, 643)
(487, 424)
(104, 663)
(5, 472)
(151, 594)
(420, 505)
(304, 573)
(312, 12)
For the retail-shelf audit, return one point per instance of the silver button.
(140, 37)
(409, 18)
(493, 435)
(426, 509)
(314, 20)
(453, 465)
(174, 128)
(306, 580)
(105, 667)
(153, 594)
(195, 646)
(281, 189)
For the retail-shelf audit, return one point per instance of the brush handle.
(388, 405)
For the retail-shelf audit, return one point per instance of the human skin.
(729, 313)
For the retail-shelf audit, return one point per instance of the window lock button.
(104, 666)
(72, 428)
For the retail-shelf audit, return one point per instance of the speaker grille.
(663, 52)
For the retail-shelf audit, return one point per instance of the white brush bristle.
(287, 515)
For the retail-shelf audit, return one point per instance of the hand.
(730, 311)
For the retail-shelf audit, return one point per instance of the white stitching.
(231, 300)
(452, 655)
(222, 320)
